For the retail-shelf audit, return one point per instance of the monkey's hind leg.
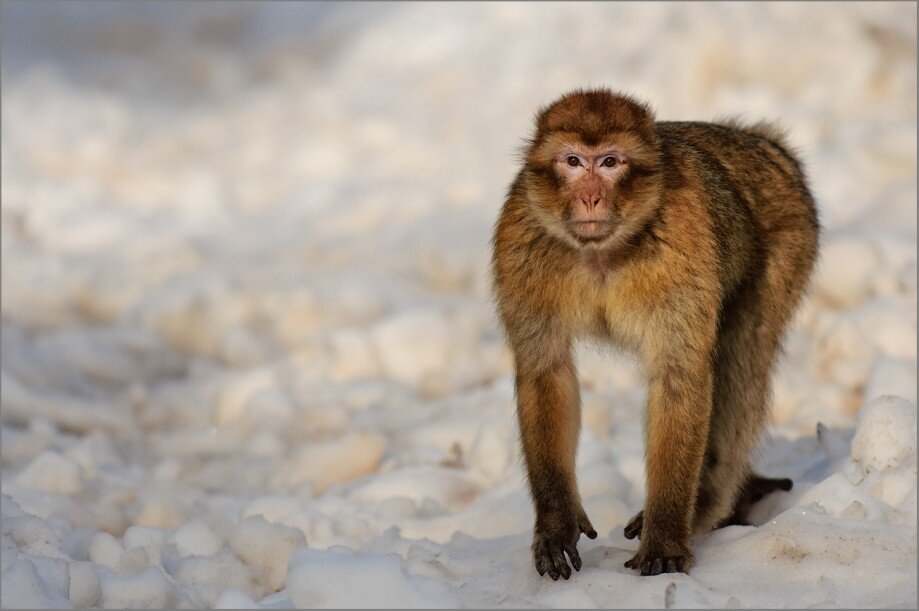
(747, 347)
(753, 324)
(746, 350)
(754, 490)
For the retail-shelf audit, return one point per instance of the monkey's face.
(589, 179)
(593, 178)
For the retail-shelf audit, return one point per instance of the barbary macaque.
(688, 244)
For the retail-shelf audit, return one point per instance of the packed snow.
(249, 358)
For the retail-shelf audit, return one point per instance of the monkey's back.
(758, 162)
(760, 204)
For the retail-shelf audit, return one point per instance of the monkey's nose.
(591, 201)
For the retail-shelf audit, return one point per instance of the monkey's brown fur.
(719, 233)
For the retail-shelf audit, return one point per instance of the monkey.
(688, 244)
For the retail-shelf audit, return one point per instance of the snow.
(341, 579)
(249, 358)
(886, 434)
(51, 472)
(266, 547)
(149, 589)
(196, 539)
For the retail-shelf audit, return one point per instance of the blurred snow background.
(248, 353)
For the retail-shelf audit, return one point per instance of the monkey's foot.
(655, 564)
(654, 559)
(550, 544)
(633, 528)
(754, 490)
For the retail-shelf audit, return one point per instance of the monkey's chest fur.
(605, 300)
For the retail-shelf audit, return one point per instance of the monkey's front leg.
(679, 407)
(548, 409)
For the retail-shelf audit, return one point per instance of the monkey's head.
(592, 168)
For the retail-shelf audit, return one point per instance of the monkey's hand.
(654, 559)
(557, 535)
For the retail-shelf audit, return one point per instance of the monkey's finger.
(544, 563)
(671, 566)
(540, 562)
(558, 556)
(786, 484)
(566, 570)
(586, 527)
(646, 568)
(632, 563)
(549, 568)
(574, 556)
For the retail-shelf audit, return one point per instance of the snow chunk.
(893, 377)
(448, 487)
(266, 546)
(55, 572)
(105, 549)
(413, 345)
(144, 536)
(886, 432)
(162, 512)
(845, 271)
(32, 534)
(84, 585)
(836, 496)
(21, 586)
(208, 576)
(143, 547)
(148, 590)
(332, 462)
(196, 538)
(273, 507)
(252, 396)
(51, 472)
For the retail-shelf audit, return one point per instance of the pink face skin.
(590, 176)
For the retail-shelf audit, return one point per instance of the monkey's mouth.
(589, 231)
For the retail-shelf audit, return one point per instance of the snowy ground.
(247, 348)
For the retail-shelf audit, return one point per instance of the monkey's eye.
(610, 162)
(573, 161)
